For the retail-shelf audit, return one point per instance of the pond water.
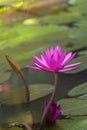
(26, 29)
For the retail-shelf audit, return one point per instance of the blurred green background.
(27, 27)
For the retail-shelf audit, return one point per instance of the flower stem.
(26, 87)
(50, 103)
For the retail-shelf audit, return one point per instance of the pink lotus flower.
(54, 112)
(55, 60)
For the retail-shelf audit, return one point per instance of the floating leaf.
(73, 106)
(44, 89)
(82, 23)
(21, 117)
(16, 119)
(63, 18)
(24, 33)
(76, 110)
(79, 91)
(79, 123)
(79, 8)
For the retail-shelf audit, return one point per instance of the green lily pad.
(40, 90)
(72, 124)
(22, 117)
(73, 106)
(82, 23)
(17, 95)
(17, 119)
(62, 18)
(47, 36)
(76, 109)
(81, 8)
(79, 91)
(19, 34)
